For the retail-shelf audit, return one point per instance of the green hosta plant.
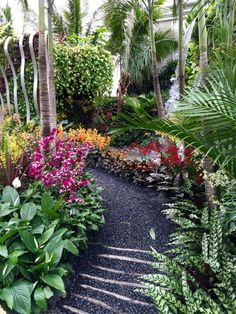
(32, 245)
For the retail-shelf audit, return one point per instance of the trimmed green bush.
(82, 74)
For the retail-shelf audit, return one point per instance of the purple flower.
(63, 168)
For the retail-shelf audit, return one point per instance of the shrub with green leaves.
(36, 233)
(83, 73)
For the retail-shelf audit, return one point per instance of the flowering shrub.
(53, 215)
(14, 150)
(86, 136)
(63, 168)
(14, 140)
(154, 155)
(152, 164)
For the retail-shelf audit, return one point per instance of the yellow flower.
(89, 136)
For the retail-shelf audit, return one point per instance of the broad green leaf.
(55, 248)
(21, 298)
(14, 220)
(48, 233)
(61, 271)
(48, 292)
(9, 265)
(7, 296)
(38, 230)
(28, 211)
(29, 240)
(47, 206)
(5, 209)
(25, 273)
(60, 232)
(11, 262)
(70, 246)
(40, 298)
(16, 246)
(10, 195)
(3, 251)
(54, 281)
(7, 235)
(47, 202)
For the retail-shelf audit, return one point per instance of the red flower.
(108, 114)
(200, 178)
(144, 150)
(154, 146)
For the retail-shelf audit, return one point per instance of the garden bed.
(49, 206)
(153, 165)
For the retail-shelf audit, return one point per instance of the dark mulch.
(132, 212)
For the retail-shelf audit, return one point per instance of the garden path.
(106, 274)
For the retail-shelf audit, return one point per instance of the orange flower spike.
(60, 131)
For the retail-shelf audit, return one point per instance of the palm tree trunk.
(181, 50)
(231, 13)
(211, 192)
(45, 116)
(51, 83)
(155, 70)
(202, 33)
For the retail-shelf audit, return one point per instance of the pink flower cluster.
(63, 167)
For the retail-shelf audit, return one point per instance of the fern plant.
(201, 276)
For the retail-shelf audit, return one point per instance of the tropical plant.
(45, 113)
(82, 135)
(71, 21)
(204, 119)
(200, 279)
(181, 67)
(46, 80)
(134, 38)
(32, 245)
(222, 15)
(77, 94)
(36, 234)
(51, 76)
(7, 13)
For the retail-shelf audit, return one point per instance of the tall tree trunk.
(231, 21)
(51, 79)
(45, 115)
(181, 73)
(231, 13)
(211, 192)
(155, 70)
(124, 84)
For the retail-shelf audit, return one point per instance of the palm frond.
(59, 26)
(7, 13)
(73, 17)
(114, 15)
(204, 119)
(166, 42)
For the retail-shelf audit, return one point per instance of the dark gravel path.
(106, 274)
